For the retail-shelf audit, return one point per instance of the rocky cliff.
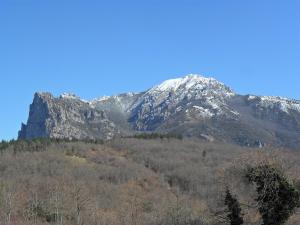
(66, 117)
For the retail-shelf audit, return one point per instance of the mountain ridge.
(193, 105)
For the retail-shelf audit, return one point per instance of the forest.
(147, 180)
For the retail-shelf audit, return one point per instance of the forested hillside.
(143, 180)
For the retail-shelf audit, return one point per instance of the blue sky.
(95, 48)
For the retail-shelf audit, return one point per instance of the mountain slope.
(173, 97)
(192, 105)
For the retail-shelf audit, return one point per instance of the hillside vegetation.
(152, 180)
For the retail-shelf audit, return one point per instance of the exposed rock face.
(66, 117)
(192, 105)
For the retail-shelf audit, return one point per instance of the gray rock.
(66, 117)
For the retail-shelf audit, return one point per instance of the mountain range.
(192, 106)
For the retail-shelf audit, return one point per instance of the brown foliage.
(130, 182)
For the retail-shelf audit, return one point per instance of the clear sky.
(95, 48)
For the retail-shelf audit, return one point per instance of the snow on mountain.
(101, 99)
(204, 112)
(269, 102)
(164, 100)
(191, 82)
(72, 96)
(121, 101)
(192, 105)
(190, 87)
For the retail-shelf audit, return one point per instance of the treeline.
(156, 136)
(39, 144)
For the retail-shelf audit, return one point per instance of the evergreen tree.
(276, 197)
(234, 209)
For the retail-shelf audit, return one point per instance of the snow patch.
(252, 97)
(204, 112)
(284, 104)
(72, 96)
(69, 95)
(187, 82)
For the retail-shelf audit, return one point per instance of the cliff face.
(193, 106)
(66, 117)
(38, 117)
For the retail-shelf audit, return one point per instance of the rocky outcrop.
(193, 106)
(66, 117)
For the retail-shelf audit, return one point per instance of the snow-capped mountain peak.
(186, 82)
(174, 96)
(192, 83)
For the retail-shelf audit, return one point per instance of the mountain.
(194, 106)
